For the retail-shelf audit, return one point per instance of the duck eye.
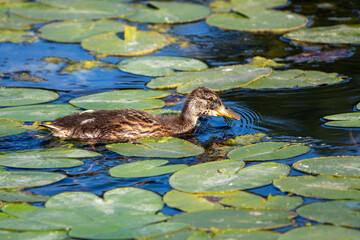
(211, 98)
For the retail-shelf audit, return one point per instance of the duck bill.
(224, 111)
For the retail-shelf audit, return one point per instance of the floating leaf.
(119, 201)
(321, 232)
(160, 65)
(221, 78)
(267, 151)
(320, 56)
(34, 235)
(45, 158)
(135, 99)
(144, 168)
(347, 120)
(166, 147)
(337, 165)
(295, 78)
(25, 76)
(339, 213)
(10, 127)
(76, 31)
(246, 139)
(283, 202)
(16, 36)
(16, 179)
(43, 112)
(72, 66)
(257, 20)
(258, 61)
(247, 219)
(135, 42)
(235, 234)
(169, 12)
(322, 186)
(226, 6)
(16, 195)
(338, 34)
(25, 96)
(227, 175)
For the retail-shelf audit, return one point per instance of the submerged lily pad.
(135, 42)
(221, 78)
(16, 195)
(45, 158)
(135, 99)
(338, 34)
(339, 213)
(166, 147)
(295, 78)
(10, 127)
(337, 165)
(160, 65)
(16, 36)
(25, 96)
(247, 219)
(16, 179)
(257, 20)
(72, 66)
(226, 6)
(169, 12)
(76, 31)
(268, 151)
(346, 120)
(322, 186)
(227, 175)
(144, 168)
(41, 112)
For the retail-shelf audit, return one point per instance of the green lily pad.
(246, 139)
(76, 31)
(16, 179)
(339, 213)
(321, 232)
(160, 65)
(338, 34)
(42, 112)
(16, 195)
(247, 219)
(267, 151)
(221, 78)
(322, 186)
(78, 9)
(34, 235)
(257, 20)
(226, 6)
(135, 42)
(145, 168)
(227, 175)
(347, 120)
(25, 96)
(10, 127)
(295, 78)
(283, 202)
(235, 234)
(45, 158)
(135, 99)
(166, 147)
(169, 12)
(16, 36)
(337, 165)
(119, 201)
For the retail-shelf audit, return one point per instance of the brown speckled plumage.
(130, 124)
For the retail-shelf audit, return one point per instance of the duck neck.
(181, 123)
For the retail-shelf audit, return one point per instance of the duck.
(130, 124)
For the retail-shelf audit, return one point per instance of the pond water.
(291, 115)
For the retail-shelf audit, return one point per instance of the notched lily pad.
(17, 179)
(25, 96)
(166, 147)
(16, 36)
(16, 195)
(226, 6)
(344, 120)
(10, 127)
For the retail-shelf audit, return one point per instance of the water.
(286, 115)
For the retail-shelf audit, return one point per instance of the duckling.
(130, 124)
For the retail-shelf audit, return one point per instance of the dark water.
(291, 115)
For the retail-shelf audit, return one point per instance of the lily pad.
(25, 96)
(321, 232)
(247, 219)
(235, 234)
(337, 165)
(226, 6)
(268, 151)
(322, 186)
(296, 78)
(221, 78)
(135, 99)
(169, 12)
(338, 34)
(34, 235)
(283, 202)
(257, 20)
(119, 201)
(10, 127)
(42, 112)
(16, 36)
(45, 158)
(134, 43)
(166, 147)
(227, 175)
(160, 65)
(339, 213)
(144, 168)
(346, 120)
(70, 66)
(76, 31)
(16, 195)
(16, 179)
